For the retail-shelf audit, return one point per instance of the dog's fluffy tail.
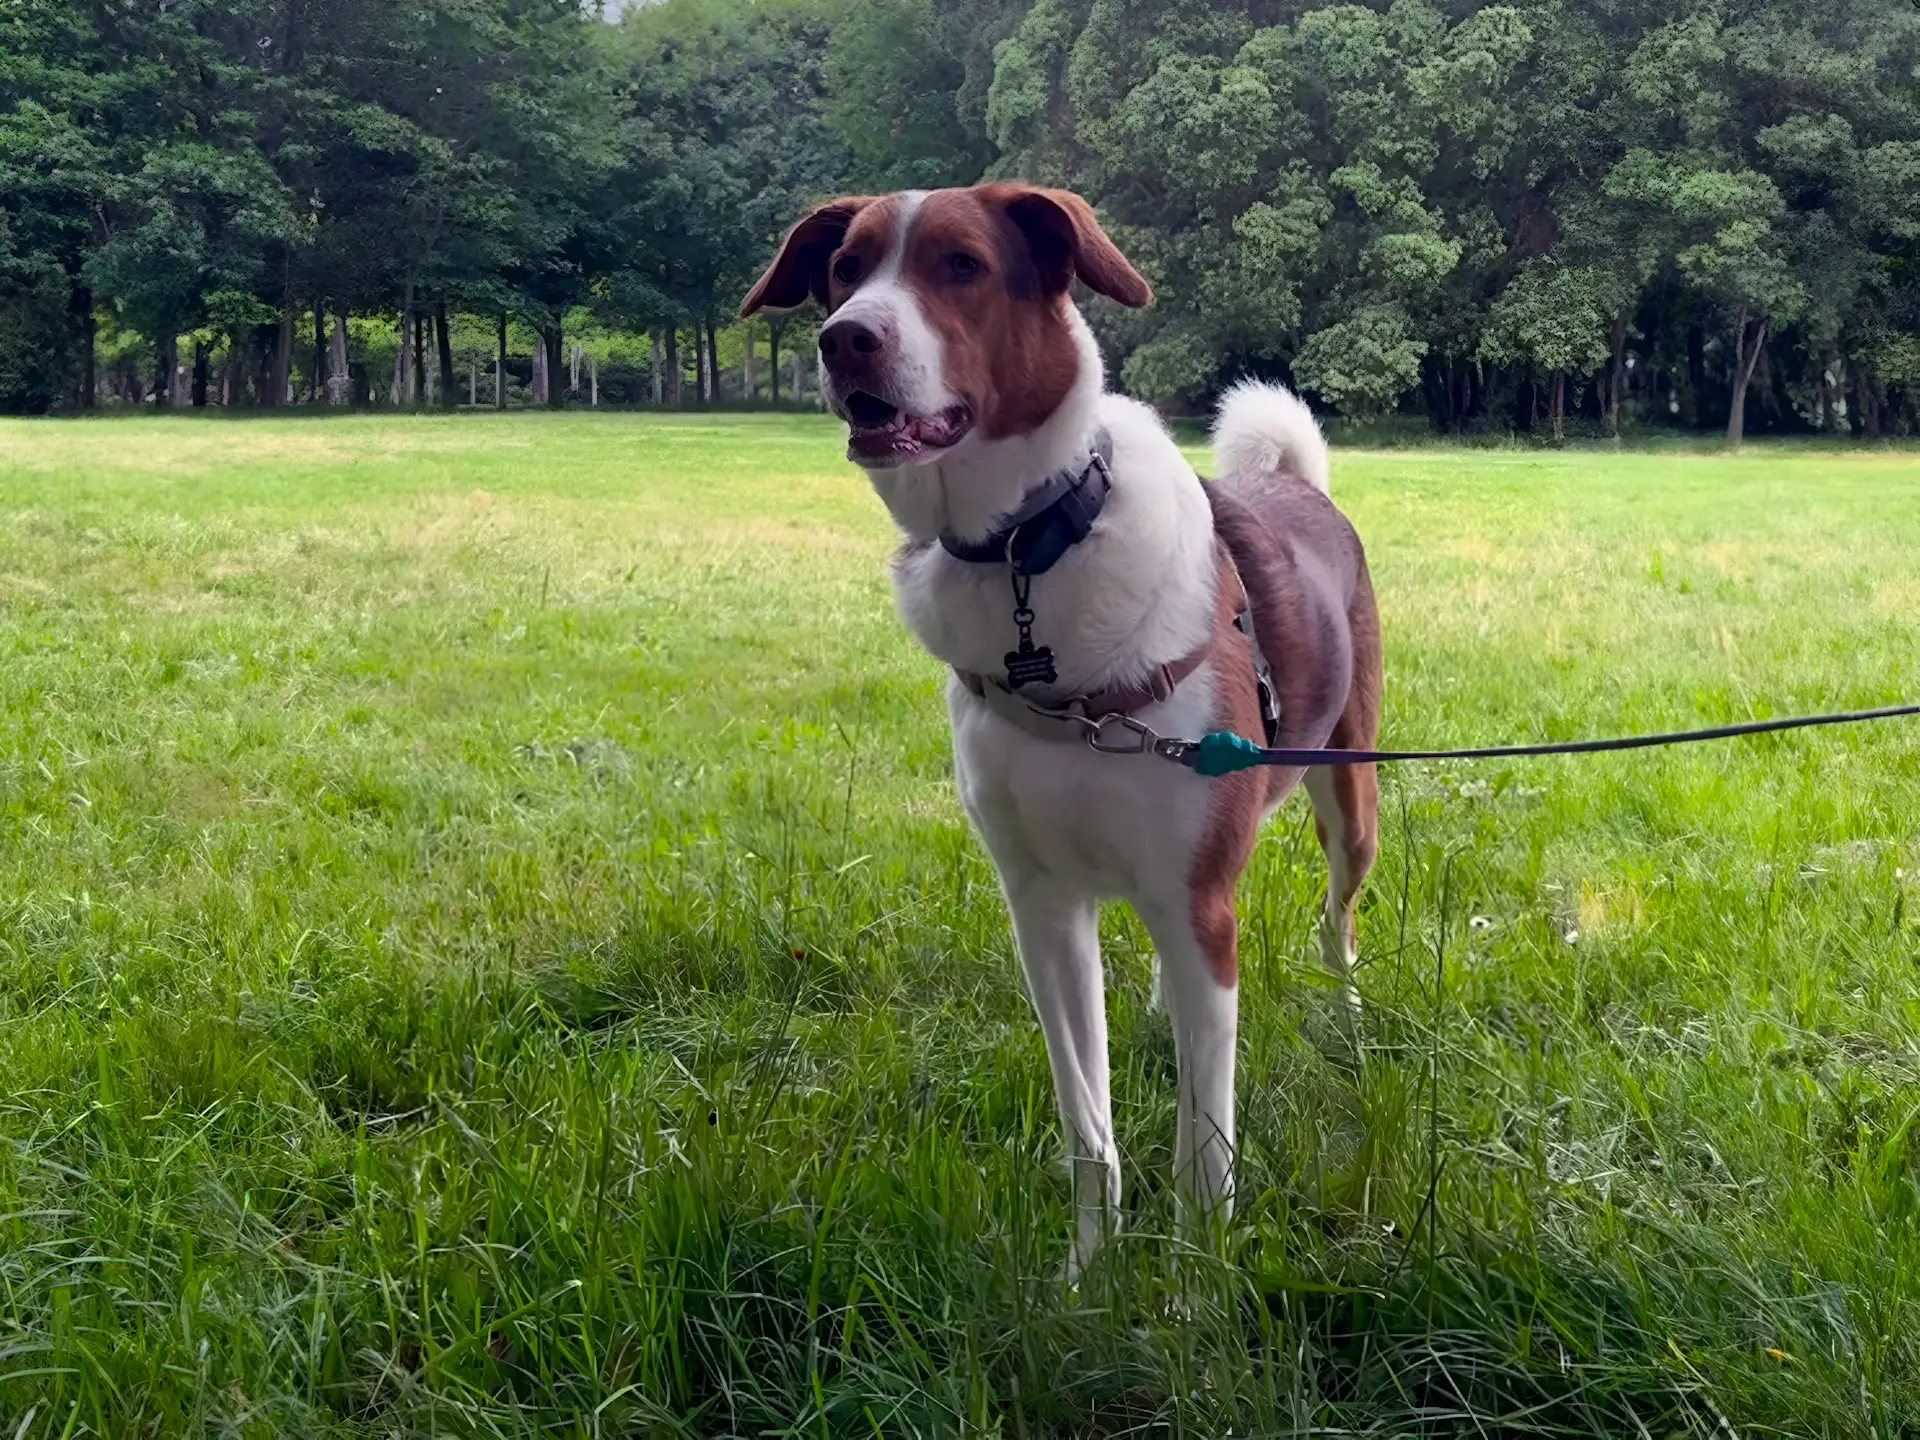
(1265, 429)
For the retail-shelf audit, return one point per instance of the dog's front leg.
(1195, 937)
(1059, 939)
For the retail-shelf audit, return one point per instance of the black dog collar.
(1053, 518)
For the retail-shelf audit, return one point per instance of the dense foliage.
(1699, 214)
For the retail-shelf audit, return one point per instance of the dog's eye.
(847, 269)
(964, 267)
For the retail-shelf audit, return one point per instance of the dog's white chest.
(1060, 813)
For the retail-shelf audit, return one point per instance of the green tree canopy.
(1600, 211)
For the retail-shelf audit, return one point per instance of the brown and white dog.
(969, 382)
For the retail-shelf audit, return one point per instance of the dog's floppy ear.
(1067, 241)
(800, 269)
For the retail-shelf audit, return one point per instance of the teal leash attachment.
(1224, 753)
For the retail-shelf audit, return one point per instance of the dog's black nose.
(849, 344)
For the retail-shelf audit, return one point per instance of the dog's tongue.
(895, 436)
(940, 430)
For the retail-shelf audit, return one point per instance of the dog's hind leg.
(1345, 798)
(1059, 940)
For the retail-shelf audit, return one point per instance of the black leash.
(1222, 753)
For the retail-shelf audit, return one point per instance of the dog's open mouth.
(883, 434)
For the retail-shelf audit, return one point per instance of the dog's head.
(947, 310)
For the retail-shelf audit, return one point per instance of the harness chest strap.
(1044, 721)
(1038, 720)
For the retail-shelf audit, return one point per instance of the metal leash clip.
(1124, 735)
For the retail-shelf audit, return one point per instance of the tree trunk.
(500, 361)
(337, 372)
(749, 382)
(230, 382)
(1559, 406)
(164, 362)
(1745, 356)
(402, 364)
(1696, 377)
(199, 374)
(81, 304)
(713, 364)
(676, 378)
(799, 378)
(1775, 399)
(656, 368)
(573, 368)
(556, 363)
(443, 337)
(537, 385)
(422, 380)
(773, 363)
(260, 352)
(593, 371)
(319, 378)
(416, 352)
(280, 373)
(1618, 375)
(473, 384)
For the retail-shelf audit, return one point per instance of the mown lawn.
(488, 946)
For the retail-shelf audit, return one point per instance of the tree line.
(1553, 214)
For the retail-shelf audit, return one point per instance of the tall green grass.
(488, 946)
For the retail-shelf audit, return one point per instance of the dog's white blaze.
(916, 379)
(968, 488)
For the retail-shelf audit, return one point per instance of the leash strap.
(1223, 753)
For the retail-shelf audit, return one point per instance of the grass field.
(488, 945)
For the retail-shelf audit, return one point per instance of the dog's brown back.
(1312, 603)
